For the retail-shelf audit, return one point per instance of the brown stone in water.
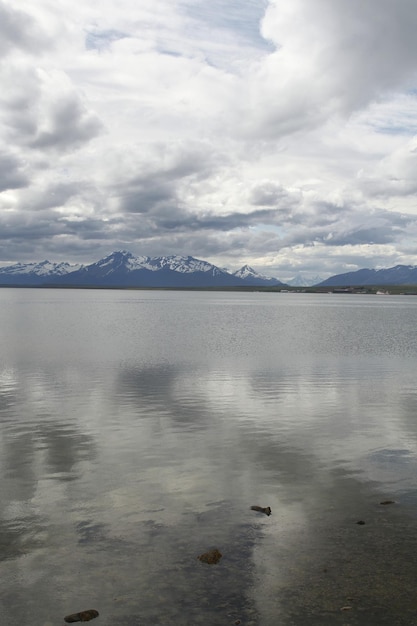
(387, 502)
(211, 557)
(262, 509)
(82, 616)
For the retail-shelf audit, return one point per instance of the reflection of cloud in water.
(21, 535)
(35, 447)
(64, 447)
(165, 391)
(318, 475)
(140, 559)
(39, 425)
(49, 451)
(18, 468)
(7, 390)
(157, 445)
(327, 419)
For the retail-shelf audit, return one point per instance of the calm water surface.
(138, 427)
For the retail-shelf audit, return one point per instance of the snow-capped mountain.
(34, 273)
(251, 277)
(123, 269)
(299, 280)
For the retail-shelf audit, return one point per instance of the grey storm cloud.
(143, 196)
(19, 104)
(56, 195)
(184, 220)
(269, 193)
(377, 230)
(69, 125)
(351, 228)
(42, 110)
(90, 229)
(144, 199)
(360, 235)
(28, 226)
(12, 174)
(203, 244)
(161, 211)
(19, 30)
(45, 229)
(159, 182)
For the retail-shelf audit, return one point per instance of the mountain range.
(123, 269)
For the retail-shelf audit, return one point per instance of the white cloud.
(276, 133)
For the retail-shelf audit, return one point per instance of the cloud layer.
(279, 134)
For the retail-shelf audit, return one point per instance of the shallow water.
(138, 427)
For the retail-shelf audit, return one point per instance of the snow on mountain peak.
(121, 266)
(247, 271)
(177, 263)
(42, 268)
(299, 280)
(183, 264)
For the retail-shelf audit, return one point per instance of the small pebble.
(211, 557)
(82, 616)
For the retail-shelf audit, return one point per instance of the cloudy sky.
(279, 133)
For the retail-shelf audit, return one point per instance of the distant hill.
(398, 275)
(123, 269)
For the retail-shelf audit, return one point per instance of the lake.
(137, 428)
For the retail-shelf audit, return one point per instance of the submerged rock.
(211, 557)
(262, 509)
(82, 616)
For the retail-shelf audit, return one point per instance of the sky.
(277, 133)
